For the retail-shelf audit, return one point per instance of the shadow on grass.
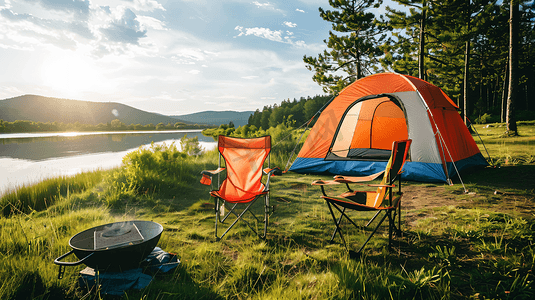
(519, 177)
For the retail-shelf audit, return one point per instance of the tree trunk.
(465, 87)
(503, 108)
(421, 66)
(513, 66)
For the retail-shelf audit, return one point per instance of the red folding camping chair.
(384, 199)
(244, 160)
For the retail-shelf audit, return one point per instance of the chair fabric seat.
(353, 200)
(233, 194)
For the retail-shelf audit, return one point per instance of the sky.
(172, 57)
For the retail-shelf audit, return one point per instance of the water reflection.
(45, 146)
(27, 159)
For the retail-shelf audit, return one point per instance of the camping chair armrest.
(270, 172)
(324, 182)
(207, 175)
(382, 185)
(212, 172)
(274, 171)
(354, 179)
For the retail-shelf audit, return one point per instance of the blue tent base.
(413, 171)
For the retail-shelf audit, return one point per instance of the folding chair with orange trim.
(384, 199)
(244, 161)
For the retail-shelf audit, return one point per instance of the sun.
(69, 73)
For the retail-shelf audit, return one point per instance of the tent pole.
(443, 141)
(473, 127)
(452, 162)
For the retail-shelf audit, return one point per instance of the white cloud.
(272, 35)
(146, 5)
(24, 31)
(124, 29)
(299, 10)
(78, 7)
(290, 24)
(194, 72)
(74, 25)
(267, 6)
(190, 56)
(266, 33)
(249, 77)
(263, 5)
(150, 22)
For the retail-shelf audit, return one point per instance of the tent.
(355, 131)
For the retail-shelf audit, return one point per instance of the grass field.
(460, 242)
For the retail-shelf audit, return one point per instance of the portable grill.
(112, 247)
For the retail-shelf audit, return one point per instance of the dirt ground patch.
(419, 199)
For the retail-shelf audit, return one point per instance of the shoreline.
(38, 134)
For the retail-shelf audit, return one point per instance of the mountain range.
(47, 109)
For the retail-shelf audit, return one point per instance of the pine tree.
(355, 51)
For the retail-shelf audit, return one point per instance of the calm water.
(27, 158)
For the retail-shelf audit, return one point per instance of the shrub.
(149, 169)
(487, 118)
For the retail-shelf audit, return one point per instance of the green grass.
(510, 150)
(45, 193)
(465, 246)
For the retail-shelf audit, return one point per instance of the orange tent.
(354, 133)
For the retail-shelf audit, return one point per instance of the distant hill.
(45, 109)
(217, 117)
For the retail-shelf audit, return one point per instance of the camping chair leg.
(373, 218)
(239, 217)
(371, 235)
(390, 228)
(266, 214)
(337, 225)
(216, 216)
(399, 232)
(345, 215)
(228, 214)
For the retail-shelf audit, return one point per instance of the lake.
(27, 158)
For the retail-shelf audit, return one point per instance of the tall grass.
(27, 198)
(28, 245)
(158, 169)
(480, 249)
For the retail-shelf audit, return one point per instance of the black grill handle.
(63, 264)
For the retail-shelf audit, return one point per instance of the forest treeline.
(115, 125)
(277, 120)
(289, 112)
(463, 47)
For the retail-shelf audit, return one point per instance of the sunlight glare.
(69, 73)
(70, 134)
